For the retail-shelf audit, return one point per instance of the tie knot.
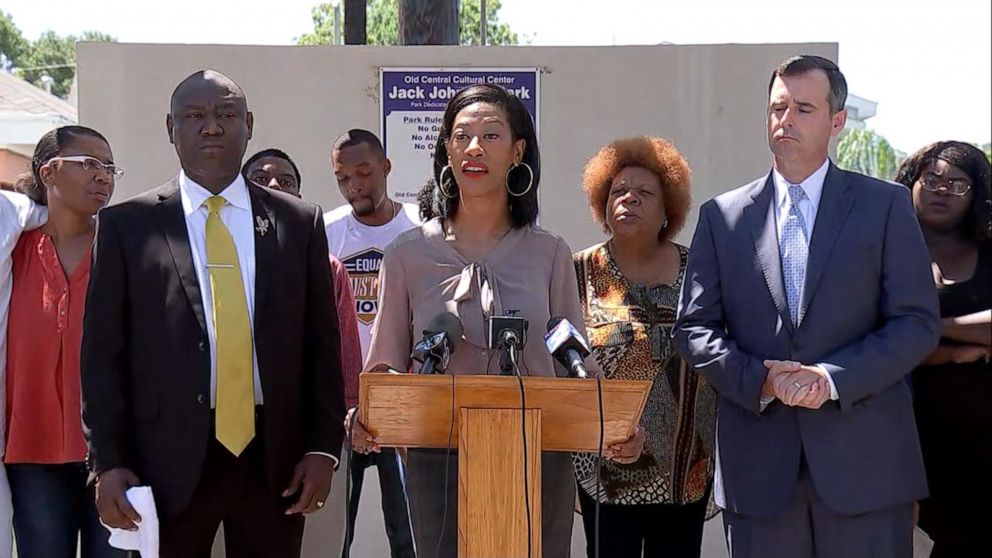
(796, 193)
(214, 203)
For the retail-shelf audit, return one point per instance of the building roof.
(19, 96)
(859, 108)
(26, 151)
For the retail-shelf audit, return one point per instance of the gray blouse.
(530, 272)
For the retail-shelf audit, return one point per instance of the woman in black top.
(950, 185)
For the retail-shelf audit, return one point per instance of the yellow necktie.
(235, 407)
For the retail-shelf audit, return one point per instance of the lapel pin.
(261, 225)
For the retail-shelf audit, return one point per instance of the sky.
(928, 64)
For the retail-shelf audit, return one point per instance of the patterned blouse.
(629, 327)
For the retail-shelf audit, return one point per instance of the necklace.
(449, 230)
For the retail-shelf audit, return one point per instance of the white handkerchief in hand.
(922, 544)
(145, 539)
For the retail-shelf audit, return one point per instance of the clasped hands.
(796, 384)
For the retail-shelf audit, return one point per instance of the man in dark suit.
(211, 354)
(807, 299)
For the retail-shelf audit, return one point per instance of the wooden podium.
(562, 414)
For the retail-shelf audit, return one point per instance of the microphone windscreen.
(562, 332)
(449, 324)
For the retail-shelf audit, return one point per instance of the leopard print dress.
(629, 328)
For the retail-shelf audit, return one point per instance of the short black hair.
(357, 136)
(278, 154)
(524, 208)
(802, 63)
(49, 146)
(977, 222)
(211, 75)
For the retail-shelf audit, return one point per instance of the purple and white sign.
(413, 102)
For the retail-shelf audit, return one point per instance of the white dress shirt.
(17, 214)
(813, 186)
(237, 217)
(808, 207)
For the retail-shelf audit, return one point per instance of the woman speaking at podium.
(478, 254)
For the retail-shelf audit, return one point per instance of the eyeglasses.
(954, 187)
(92, 164)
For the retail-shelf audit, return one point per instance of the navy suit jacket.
(871, 315)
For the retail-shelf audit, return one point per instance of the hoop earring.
(440, 182)
(530, 183)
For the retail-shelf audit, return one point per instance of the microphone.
(440, 338)
(508, 334)
(566, 344)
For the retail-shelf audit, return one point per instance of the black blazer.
(145, 354)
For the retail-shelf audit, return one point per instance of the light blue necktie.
(794, 251)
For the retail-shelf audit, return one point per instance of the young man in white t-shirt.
(17, 214)
(357, 234)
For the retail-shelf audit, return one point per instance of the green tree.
(13, 45)
(867, 152)
(383, 26)
(470, 24)
(382, 23)
(55, 56)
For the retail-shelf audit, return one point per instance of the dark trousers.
(957, 452)
(395, 508)
(956, 527)
(807, 528)
(234, 490)
(54, 510)
(649, 530)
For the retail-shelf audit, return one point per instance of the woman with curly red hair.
(652, 489)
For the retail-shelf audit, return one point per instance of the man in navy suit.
(807, 299)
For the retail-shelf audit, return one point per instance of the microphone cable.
(447, 460)
(599, 461)
(523, 433)
(349, 528)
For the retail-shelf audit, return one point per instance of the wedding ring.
(798, 385)
(320, 504)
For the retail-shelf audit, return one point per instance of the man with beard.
(357, 234)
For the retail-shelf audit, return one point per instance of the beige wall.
(708, 100)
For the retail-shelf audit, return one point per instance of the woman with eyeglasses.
(72, 173)
(950, 184)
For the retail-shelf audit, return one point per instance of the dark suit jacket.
(145, 354)
(871, 315)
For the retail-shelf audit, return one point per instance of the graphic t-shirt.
(360, 248)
